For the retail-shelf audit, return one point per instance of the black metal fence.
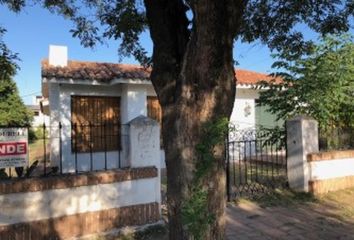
(71, 149)
(255, 164)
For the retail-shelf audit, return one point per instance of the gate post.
(302, 139)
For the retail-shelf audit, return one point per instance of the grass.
(339, 203)
(155, 232)
(281, 197)
(36, 151)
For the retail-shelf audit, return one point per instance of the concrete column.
(302, 139)
(54, 107)
(144, 147)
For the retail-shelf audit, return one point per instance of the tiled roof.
(102, 72)
(105, 72)
(246, 77)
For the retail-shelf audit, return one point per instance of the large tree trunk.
(193, 76)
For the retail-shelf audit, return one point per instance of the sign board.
(13, 147)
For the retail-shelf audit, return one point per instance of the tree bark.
(194, 79)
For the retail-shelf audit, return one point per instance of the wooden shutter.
(95, 123)
(154, 111)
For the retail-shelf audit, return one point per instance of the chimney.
(58, 56)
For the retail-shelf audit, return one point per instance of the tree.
(12, 110)
(193, 76)
(319, 85)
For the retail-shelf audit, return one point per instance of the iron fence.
(71, 149)
(255, 163)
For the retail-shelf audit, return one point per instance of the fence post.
(44, 150)
(144, 147)
(302, 139)
(60, 149)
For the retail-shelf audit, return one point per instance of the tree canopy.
(274, 23)
(13, 112)
(319, 85)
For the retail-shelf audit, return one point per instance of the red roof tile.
(105, 72)
(251, 77)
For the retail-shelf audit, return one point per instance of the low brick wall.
(61, 207)
(331, 171)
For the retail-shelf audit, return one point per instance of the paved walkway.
(248, 221)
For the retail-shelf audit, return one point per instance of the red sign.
(13, 148)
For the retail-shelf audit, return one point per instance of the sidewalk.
(311, 222)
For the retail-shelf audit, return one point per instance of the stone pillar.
(144, 147)
(302, 139)
(53, 129)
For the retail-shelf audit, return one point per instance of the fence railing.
(71, 149)
(255, 163)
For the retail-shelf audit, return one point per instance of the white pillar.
(302, 139)
(53, 129)
(144, 147)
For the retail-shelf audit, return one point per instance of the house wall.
(39, 120)
(133, 103)
(60, 103)
(243, 113)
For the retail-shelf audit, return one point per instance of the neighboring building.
(96, 98)
(246, 115)
(38, 117)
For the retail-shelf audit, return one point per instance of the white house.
(39, 118)
(92, 101)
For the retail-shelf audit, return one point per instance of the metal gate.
(255, 164)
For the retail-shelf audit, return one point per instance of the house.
(89, 104)
(38, 117)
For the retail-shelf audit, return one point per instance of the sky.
(32, 31)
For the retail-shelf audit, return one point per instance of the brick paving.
(309, 222)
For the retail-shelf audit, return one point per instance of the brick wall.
(82, 224)
(69, 181)
(331, 171)
(61, 207)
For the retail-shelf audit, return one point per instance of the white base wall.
(32, 206)
(327, 169)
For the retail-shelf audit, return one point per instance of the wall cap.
(75, 180)
(142, 120)
(331, 155)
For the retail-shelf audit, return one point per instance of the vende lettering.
(13, 148)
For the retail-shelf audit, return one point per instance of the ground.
(282, 215)
(286, 215)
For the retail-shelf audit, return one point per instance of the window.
(36, 113)
(154, 111)
(95, 124)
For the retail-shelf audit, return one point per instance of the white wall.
(60, 103)
(32, 206)
(133, 101)
(245, 98)
(327, 169)
(40, 119)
